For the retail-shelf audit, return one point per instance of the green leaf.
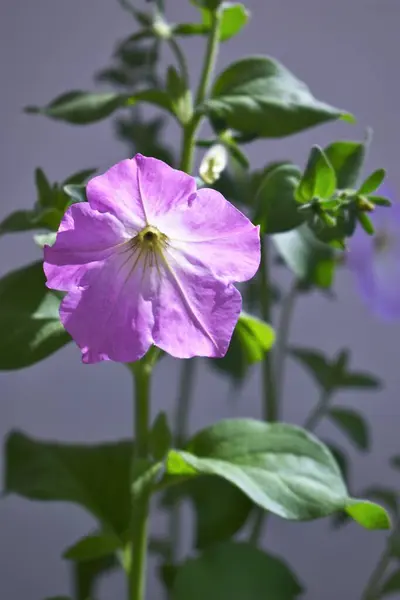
(366, 223)
(93, 546)
(353, 425)
(372, 182)
(395, 461)
(276, 207)
(368, 515)
(347, 159)
(86, 574)
(357, 379)
(392, 584)
(380, 200)
(154, 96)
(95, 477)
(187, 29)
(160, 437)
(44, 189)
(179, 96)
(318, 180)
(310, 260)
(317, 365)
(251, 339)
(384, 495)
(81, 108)
(27, 220)
(29, 320)
(221, 509)
(235, 571)
(281, 468)
(251, 96)
(77, 192)
(233, 17)
(80, 177)
(209, 4)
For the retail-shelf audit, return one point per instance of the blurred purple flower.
(151, 260)
(375, 261)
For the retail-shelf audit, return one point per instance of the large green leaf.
(276, 207)
(235, 571)
(251, 339)
(259, 96)
(310, 260)
(281, 468)
(352, 424)
(29, 321)
(28, 220)
(221, 509)
(81, 108)
(95, 477)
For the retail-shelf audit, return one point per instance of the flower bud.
(213, 163)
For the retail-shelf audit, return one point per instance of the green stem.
(283, 329)
(190, 130)
(269, 376)
(270, 398)
(140, 509)
(372, 590)
(318, 413)
(186, 387)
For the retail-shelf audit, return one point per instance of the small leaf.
(311, 261)
(95, 477)
(366, 223)
(372, 182)
(44, 189)
(221, 509)
(81, 108)
(352, 424)
(251, 96)
(235, 571)
(251, 339)
(392, 584)
(355, 379)
(86, 574)
(93, 546)
(347, 159)
(29, 319)
(233, 17)
(160, 437)
(276, 207)
(318, 180)
(380, 200)
(80, 177)
(368, 515)
(77, 192)
(179, 95)
(316, 363)
(383, 495)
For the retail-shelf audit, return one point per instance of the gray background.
(348, 53)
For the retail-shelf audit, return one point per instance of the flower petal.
(117, 192)
(84, 238)
(211, 227)
(163, 189)
(112, 318)
(195, 313)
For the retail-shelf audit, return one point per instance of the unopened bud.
(213, 163)
(365, 205)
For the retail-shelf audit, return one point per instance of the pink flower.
(151, 260)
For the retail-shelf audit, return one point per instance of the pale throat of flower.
(149, 244)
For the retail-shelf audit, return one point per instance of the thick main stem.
(140, 509)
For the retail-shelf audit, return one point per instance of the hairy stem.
(140, 508)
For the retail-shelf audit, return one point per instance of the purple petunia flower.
(151, 260)
(375, 261)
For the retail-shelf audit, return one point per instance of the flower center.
(149, 245)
